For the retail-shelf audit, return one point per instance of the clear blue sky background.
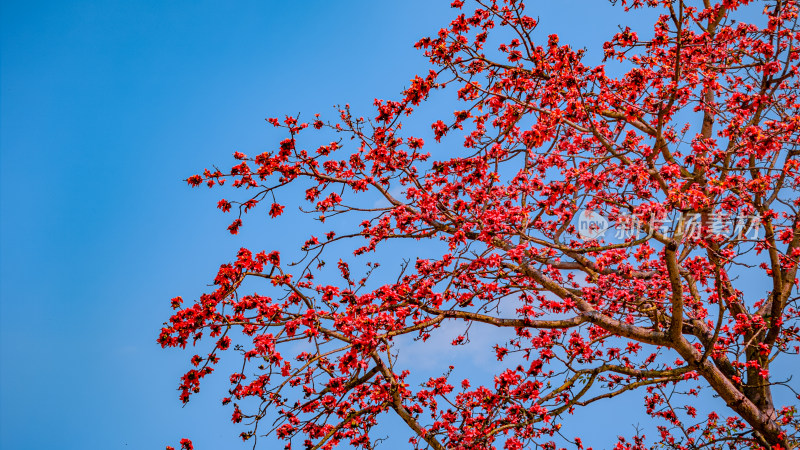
(106, 107)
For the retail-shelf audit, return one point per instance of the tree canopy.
(612, 217)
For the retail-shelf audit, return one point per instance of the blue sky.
(106, 106)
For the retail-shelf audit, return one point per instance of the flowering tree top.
(609, 216)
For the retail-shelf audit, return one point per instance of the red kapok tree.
(613, 218)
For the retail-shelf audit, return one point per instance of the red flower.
(276, 210)
(234, 227)
(224, 205)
